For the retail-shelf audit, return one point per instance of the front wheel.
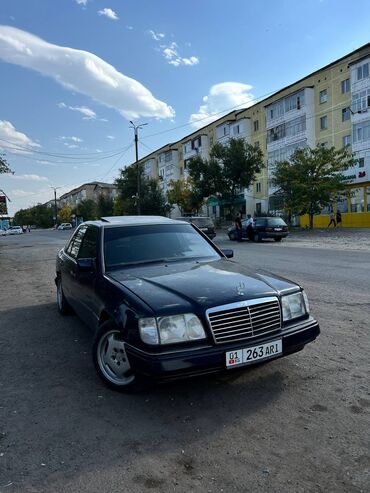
(277, 239)
(111, 361)
(63, 305)
(256, 237)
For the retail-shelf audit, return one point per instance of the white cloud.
(45, 162)
(110, 137)
(221, 99)
(109, 13)
(82, 2)
(88, 113)
(130, 28)
(28, 177)
(11, 138)
(156, 36)
(73, 138)
(171, 54)
(82, 72)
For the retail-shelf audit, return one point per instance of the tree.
(104, 206)
(184, 195)
(65, 214)
(40, 215)
(231, 167)
(308, 181)
(4, 166)
(152, 199)
(86, 209)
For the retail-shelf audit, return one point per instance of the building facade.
(87, 191)
(330, 107)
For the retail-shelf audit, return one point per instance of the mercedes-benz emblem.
(240, 288)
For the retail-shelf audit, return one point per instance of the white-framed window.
(345, 86)
(168, 156)
(346, 140)
(323, 96)
(361, 101)
(346, 114)
(324, 122)
(357, 199)
(361, 132)
(236, 130)
(361, 162)
(363, 71)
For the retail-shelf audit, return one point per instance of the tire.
(111, 361)
(63, 305)
(256, 237)
(278, 239)
(232, 236)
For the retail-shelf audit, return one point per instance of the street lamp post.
(55, 206)
(138, 191)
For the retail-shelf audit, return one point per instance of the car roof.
(134, 221)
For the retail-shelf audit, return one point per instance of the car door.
(86, 279)
(69, 269)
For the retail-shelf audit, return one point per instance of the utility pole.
(138, 187)
(55, 206)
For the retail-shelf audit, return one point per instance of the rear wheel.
(256, 237)
(232, 236)
(278, 239)
(63, 305)
(111, 361)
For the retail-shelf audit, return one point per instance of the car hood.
(195, 286)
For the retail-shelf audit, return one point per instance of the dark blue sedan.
(164, 302)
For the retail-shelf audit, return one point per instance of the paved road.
(299, 424)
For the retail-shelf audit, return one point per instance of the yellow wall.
(349, 220)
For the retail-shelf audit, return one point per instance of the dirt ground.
(298, 424)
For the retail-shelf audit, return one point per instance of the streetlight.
(136, 128)
(55, 205)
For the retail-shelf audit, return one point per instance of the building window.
(345, 86)
(324, 145)
(236, 130)
(196, 143)
(324, 122)
(363, 71)
(257, 143)
(361, 162)
(342, 204)
(357, 199)
(258, 187)
(346, 140)
(256, 125)
(361, 132)
(323, 96)
(346, 114)
(361, 101)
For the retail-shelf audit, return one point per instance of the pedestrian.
(238, 226)
(338, 217)
(332, 220)
(249, 224)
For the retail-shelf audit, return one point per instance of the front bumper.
(210, 359)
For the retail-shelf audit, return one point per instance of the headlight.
(168, 330)
(294, 306)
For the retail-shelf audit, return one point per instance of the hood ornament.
(240, 289)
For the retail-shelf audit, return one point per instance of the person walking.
(338, 217)
(238, 226)
(332, 220)
(249, 226)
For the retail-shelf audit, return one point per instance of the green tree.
(4, 166)
(232, 167)
(308, 181)
(152, 199)
(104, 206)
(86, 209)
(182, 194)
(40, 215)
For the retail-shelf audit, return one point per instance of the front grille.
(245, 319)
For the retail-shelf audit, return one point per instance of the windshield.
(155, 243)
(202, 222)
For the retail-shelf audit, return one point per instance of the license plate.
(254, 353)
(278, 229)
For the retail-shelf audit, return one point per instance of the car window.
(202, 222)
(260, 222)
(89, 243)
(75, 243)
(140, 244)
(275, 221)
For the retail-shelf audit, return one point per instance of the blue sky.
(74, 72)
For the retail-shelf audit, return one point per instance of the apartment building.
(91, 191)
(330, 107)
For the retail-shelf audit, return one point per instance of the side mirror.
(86, 264)
(228, 253)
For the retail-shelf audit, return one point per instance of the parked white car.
(65, 226)
(3, 232)
(15, 230)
